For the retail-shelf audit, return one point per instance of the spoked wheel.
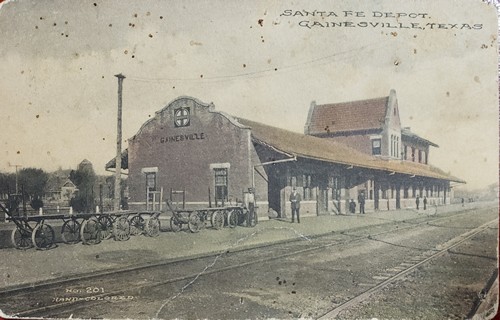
(106, 225)
(152, 227)
(232, 218)
(194, 222)
(70, 231)
(121, 229)
(43, 237)
(90, 231)
(21, 238)
(217, 220)
(175, 224)
(137, 224)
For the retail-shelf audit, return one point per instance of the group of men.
(417, 202)
(295, 199)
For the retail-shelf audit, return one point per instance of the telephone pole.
(118, 159)
(17, 183)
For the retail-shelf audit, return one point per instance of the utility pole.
(17, 181)
(118, 160)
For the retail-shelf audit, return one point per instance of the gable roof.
(310, 147)
(347, 116)
(68, 184)
(57, 180)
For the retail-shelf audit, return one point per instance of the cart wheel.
(232, 218)
(21, 238)
(194, 222)
(175, 225)
(152, 227)
(70, 231)
(106, 224)
(43, 237)
(121, 229)
(217, 220)
(90, 231)
(137, 225)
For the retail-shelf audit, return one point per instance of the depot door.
(276, 183)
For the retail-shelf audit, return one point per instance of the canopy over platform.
(310, 147)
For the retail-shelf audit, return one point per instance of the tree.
(33, 181)
(84, 178)
(7, 183)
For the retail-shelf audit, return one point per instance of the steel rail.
(332, 314)
(154, 264)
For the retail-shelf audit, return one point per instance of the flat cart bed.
(196, 219)
(89, 228)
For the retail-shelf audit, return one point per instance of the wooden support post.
(161, 198)
(209, 198)
(184, 199)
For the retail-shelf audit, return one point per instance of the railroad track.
(406, 267)
(205, 266)
(64, 280)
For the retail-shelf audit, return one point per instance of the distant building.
(68, 189)
(60, 187)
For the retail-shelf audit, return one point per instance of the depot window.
(307, 187)
(376, 146)
(182, 117)
(221, 178)
(151, 181)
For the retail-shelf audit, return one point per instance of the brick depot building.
(215, 157)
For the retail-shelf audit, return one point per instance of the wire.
(264, 72)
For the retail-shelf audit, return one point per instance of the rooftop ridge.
(352, 101)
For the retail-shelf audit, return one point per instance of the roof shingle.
(311, 147)
(348, 116)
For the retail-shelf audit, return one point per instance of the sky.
(261, 60)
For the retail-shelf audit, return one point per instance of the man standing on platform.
(295, 203)
(361, 200)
